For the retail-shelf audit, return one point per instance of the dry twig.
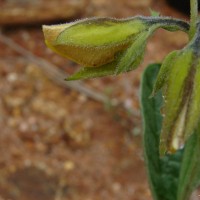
(58, 76)
(52, 71)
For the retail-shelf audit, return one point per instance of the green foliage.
(189, 178)
(173, 176)
(163, 172)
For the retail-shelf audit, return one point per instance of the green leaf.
(162, 172)
(152, 126)
(190, 169)
(173, 176)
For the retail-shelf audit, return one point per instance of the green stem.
(193, 17)
(168, 23)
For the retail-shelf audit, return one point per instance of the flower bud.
(176, 101)
(106, 46)
(92, 42)
(164, 72)
(179, 78)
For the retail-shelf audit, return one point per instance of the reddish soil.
(57, 143)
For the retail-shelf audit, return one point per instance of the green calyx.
(179, 79)
(175, 106)
(164, 72)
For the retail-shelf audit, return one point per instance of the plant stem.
(168, 23)
(193, 17)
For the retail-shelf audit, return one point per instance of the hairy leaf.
(163, 172)
(190, 169)
(172, 176)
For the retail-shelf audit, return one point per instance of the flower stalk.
(193, 17)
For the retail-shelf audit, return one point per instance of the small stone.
(128, 103)
(41, 147)
(12, 101)
(23, 127)
(82, 98)
(116, 187)
(69, 165)
(27, 163)
(12, 77)
(136, 131)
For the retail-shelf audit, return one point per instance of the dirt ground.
(57, 142)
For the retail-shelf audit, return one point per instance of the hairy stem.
(168, 23)
(193, 17)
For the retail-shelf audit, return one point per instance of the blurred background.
(77, 140)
